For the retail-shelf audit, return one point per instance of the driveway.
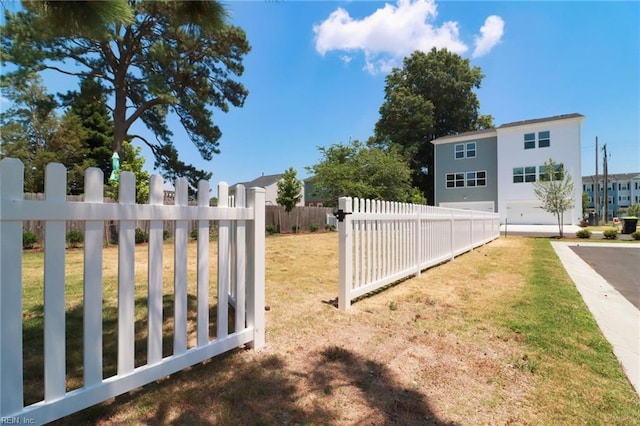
(617, 316)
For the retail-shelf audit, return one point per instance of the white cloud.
(393, 32)
(346, 58)
(490, 35)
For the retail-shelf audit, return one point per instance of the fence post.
(344, 249)
(256, 264)
(11, 394)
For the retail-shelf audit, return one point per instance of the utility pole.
(605, 199)
(596, 190)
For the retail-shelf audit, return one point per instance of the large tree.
(171, 57)
(429, 97)
(362, 171)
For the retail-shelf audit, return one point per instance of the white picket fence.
(383, 242)
(240, 281)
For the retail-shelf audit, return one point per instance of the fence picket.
(383, 242)
(240, 263)
(224, 268)
(180, 273)
(203, 269)
(126, 278)
(154, 267)
(54, 309)
(92, 272)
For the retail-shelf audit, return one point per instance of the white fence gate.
(382, 242)
(240, 282)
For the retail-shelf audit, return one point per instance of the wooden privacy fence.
(301, 217)
(240, 281)
(383, 242)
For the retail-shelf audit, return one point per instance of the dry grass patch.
(438, 349)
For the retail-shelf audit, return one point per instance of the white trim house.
(494, 169)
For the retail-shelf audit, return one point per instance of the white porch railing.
(383, 242)
(241, 274)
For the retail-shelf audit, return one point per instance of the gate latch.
(340, 215)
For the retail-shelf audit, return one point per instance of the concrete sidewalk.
(617, 318)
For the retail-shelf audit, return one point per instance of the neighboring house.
(270, 184)
(310, 198)
(494, 169)
(623, 190)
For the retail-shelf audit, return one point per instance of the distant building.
(494, 169)
(270, 184)
(309, 194)
(623, 190)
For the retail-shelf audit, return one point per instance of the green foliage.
(132, 161)
(555, 190)
(74, 238)
(329, 227)
(141, 236)
(271, 229)
(429, 97)
(29, 240)
(295, 228)
(585, 204)
(634, 210)
(314, 227)
(361, 171)
(154, 59)
(165, 234)
(583, 233)
(635, 235)
(194, 234)
(610, 234)
(289, 190)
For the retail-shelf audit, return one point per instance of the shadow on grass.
(231, 391)
(33, 340)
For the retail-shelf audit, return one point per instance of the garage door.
(530, 213)
(482, 206)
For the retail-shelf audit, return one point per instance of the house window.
(455, 180)
(467, 150)
(558, 172)
(544, 139)
(477, 178)
(530, 174)
(471, 150)
(459, 151)
(518, 174)
(529, 140)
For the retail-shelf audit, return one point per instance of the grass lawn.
(498, 336)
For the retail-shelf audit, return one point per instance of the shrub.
(583, 233)
(295, 228)
(29, 239)
(165, 234)
(141, 236)
(271, 229)
(635, 235)
(314, 227)
(329, 227)
(610, 234)
(75, 238)
(194, 234)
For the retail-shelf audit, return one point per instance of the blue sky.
(316, 74)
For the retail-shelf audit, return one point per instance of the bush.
(314, 227)
(583, 233)
(610, 234)
(141, 236)
(75, 238)
(329, 227)
(29, 239)
(635, 235)
(295, 228)
(194, 234)
(165, 234)
(271, 229)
